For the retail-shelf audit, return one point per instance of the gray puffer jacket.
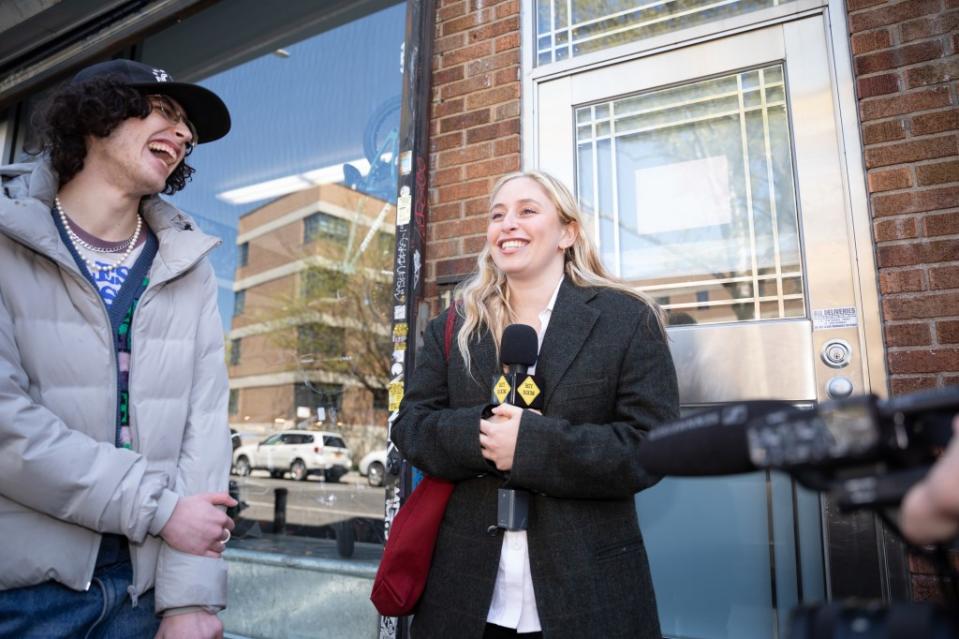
(62, 480)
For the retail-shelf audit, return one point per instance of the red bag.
(402, 574)
(401, 577)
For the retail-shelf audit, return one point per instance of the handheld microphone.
(519, 348)
(518, 351)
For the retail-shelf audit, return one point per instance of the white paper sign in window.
(683, 196)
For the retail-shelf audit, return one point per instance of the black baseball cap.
(205, 109)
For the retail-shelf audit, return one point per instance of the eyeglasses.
(174, 116)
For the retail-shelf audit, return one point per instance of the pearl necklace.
(78, 242)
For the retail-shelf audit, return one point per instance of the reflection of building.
(308, 333)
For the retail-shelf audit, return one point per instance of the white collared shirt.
(514, 603)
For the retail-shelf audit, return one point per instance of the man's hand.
(498, 435)
(192, 625)
(930, 510)
(197, 526)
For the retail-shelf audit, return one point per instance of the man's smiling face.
(142, 152)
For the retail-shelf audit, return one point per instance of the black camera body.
(865, 451)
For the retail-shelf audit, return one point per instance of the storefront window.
(302, 192)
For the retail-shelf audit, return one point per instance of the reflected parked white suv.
(299, 452)
(373, 467)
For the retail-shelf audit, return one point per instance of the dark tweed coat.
(608, 378)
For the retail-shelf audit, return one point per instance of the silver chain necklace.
(78, 242)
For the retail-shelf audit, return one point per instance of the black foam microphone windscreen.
(519, 346)
(713, 442)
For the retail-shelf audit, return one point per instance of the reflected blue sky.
(293, 115)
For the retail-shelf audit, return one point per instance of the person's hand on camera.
(498, 435)
(930, 510)
(197, 526)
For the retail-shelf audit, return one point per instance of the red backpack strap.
(448, 336)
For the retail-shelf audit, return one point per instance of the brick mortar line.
(485, 106)
(907, 93)
(945, 55)
(922, 216)
(469, 41)
(917, 188)
(897, 216)
(928, 321)
(893, 27)
(947, 346)
(945, 38)
(919, 240)
(907, 376)
(889, 5)
(907, 68)
(924, 162)
(892, 270)
(910, 295)
(922, 322)
(893, 118)
(909, 134)
(914, 163)
(915, 295)
(903, 269)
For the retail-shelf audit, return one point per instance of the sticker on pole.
(395, 395)
(404, 204)
(839, 317)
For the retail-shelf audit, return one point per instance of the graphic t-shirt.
(108, 281)
(120, 297)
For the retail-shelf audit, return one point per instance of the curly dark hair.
(95, 107)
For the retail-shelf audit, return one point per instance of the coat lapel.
(485, 363)
(569, 327)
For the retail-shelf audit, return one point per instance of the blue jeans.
(52, 611)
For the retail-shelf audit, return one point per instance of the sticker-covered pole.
(411, 208)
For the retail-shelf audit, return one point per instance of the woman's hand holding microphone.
(498, 435)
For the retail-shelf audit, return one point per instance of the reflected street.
(312, 502)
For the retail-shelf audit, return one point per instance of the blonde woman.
(580, 567)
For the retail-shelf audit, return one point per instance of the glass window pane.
(302, 192)
(727, 250)
(608, 23)
(335, 442)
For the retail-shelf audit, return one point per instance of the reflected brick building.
(307, 337)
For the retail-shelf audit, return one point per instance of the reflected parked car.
(299, 452)
(373, 467)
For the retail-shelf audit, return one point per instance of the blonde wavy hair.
(484, 298)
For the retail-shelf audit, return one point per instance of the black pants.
(499, 632)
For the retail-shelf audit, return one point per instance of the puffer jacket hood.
(28, 189)
(62, 480)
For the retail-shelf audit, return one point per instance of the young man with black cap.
(114, 443)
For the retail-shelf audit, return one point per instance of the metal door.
(712, 177)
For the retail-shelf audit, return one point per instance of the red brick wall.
(907, 67)
(474, 127)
